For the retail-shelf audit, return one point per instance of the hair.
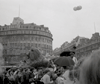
(64, 67)
(90, 69)
(59, 73)
(46, 71)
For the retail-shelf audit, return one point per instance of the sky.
(58, 15)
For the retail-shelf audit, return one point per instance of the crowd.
(48, 75)
(85, 71)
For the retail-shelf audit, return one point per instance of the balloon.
(77, 8)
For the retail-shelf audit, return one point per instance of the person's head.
(54, 76)
(67, 67)
(62, 69)
(40, 71)
(19, 73)
(11, 72)
(23, 70)
(46, 71)
(72, 54)
(35, 70)
(28, 70)
(90, 69)
(59, 73)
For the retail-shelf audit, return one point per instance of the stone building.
(19, 37)
(70, 46)
(88, 46)
(84, 46)
(56, 51)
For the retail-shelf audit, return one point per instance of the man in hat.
(72, 54)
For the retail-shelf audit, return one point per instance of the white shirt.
(46, 79)
(60, 80)
(67, 79)
(75, 60)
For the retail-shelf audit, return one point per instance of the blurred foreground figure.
(90, 69)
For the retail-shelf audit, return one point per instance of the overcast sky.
(58, 15)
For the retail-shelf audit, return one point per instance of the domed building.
(18, 38)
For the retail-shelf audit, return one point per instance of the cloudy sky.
(63, 22)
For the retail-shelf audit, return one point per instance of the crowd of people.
(85, 71)
(31, 75)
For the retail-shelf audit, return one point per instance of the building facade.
(88, 46)
(56, 51)
(84, 46)
(69, 46)
(18, 38)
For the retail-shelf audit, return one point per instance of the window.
(26, 32)
(38, 45)
(35, 28)
(35, 38)
(37, 32)
(30, 32)
(2, 28)
(26, 26)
